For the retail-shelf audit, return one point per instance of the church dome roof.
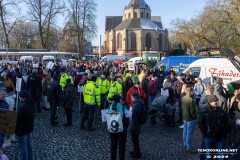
(137, 4)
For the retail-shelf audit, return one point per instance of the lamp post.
(100, 47)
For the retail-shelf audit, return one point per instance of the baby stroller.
(164, 108)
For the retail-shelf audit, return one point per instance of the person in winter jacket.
(203, 103)
(135, 126)
(68, 99)
(222, 101)
(236, 134)
(128, 83)
(199, 89)
(153, 87)
(189, 118)
(135, 88)
(118, 140)
(35, 88)
(213, 124)
(47, 78)
(25, 125)
(54, 98)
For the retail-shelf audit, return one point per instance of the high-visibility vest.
(103, 84)
(115, 88)
(91, 94)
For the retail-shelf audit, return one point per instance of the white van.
(28, 59)
(217, 67)
(46, 59)
(112, 58)
(135, 60)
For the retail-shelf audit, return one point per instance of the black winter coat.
(236, 131)
(25, 117)
(145, 84)
(54, 92)
(213, 122)
(128, 84)
(68, 96)
(135, 126)
(34, 84)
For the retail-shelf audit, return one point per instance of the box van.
(216, 67)
(112, 58)
(178, 63)
(26, 59)
(46, 59)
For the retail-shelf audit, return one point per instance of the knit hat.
(212, 98)
(24, 94)
(135, 79)
(116, 98)
(34, 71)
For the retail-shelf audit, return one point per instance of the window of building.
(119, 41)
(133, 41)
(147, 15)
(160, 42)
(129, 15)
(142, 15)
(135, 14)
(148, 41)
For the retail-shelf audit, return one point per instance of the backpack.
(115, 122)
(143, 116)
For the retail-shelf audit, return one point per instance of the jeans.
(202, 156)
(25, 147)
(53, 111)
(118, 140)
(2, 139)
(88, 114)
(211, 143)
(188, 132)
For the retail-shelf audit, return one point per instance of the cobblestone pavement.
(158, 142)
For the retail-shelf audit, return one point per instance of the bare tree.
(44, 13)
(9, 17)
(82, 23)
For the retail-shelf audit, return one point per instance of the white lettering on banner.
(223, 73)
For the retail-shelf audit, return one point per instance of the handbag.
(114, 122)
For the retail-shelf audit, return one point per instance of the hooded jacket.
(222, 101)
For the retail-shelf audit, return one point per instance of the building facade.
(137, 30)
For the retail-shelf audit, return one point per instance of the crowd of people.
(112, 87)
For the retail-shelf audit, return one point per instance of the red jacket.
(132, 90)
(153, 87)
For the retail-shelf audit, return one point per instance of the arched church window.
(160, 42)
(142, 15)
(129, 15)
(135, 14)
(147, 15)
(148, 41)
(119, 41)
(133, 41)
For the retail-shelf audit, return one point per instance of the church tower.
(137, 9)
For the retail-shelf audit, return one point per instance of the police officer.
(53, 97)
(103, 84)
(34, 87)
(63, 78)
(92, 98)
(115, 87)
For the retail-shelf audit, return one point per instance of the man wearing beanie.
(92, 98)
(53, 97)
(25, 124)
(34, 87)
(213, 124)
(68, 99)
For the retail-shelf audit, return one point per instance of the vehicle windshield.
(47, 60)
(129, 56)
(150, 56)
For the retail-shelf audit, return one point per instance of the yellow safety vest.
(103, 85)
(115, 88)
(91, 94)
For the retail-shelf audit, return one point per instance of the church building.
(136, 31)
